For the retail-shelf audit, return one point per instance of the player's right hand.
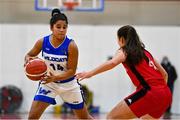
(82, 75)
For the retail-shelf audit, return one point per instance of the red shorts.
(153, 102)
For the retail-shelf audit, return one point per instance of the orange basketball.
(35, 69)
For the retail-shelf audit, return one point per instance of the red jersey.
(151, 89)
(147, 70)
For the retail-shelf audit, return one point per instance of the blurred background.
(94, 31)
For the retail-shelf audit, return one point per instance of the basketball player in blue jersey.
(61, 56)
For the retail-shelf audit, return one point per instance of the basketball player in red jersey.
(152, 96)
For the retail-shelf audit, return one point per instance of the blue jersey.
(55, 57)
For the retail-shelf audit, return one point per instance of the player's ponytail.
(57, 15)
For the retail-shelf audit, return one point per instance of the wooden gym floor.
(50, 116)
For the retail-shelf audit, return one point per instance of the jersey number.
(57, 67)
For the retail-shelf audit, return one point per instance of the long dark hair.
(57, 15)
(133, 48)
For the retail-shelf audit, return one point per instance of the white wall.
(95, 44)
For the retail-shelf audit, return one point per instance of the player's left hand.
(48, 78)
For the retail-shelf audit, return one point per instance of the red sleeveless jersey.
(148, 71)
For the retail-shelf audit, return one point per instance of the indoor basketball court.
(93, 26)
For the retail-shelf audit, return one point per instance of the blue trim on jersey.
(65, 81)
(75, 106)
(45, 99)
(60, 50)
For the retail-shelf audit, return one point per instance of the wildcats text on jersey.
(55, 58)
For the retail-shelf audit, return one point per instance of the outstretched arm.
(117, 59)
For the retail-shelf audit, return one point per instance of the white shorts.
(69, 91)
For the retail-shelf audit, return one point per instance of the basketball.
(35, 69)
